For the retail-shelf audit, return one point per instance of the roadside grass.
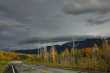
(3, 65)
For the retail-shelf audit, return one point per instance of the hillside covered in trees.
(87, 55)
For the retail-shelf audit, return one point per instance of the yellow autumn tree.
(8, 56)
(53, 55)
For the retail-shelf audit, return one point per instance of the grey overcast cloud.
(23, 20)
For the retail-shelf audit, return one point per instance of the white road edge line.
(13, 68)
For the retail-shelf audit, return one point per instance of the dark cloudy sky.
(22, 20)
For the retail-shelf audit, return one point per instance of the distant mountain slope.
(27, 51)
(77, 44)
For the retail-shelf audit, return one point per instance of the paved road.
(23, 68)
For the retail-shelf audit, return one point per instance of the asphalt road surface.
(23, 68)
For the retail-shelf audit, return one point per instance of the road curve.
(24, 68)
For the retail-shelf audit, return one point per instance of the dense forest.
(89, 58)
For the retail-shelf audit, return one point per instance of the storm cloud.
(85, 6)
(25, 22)
(100, 7)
